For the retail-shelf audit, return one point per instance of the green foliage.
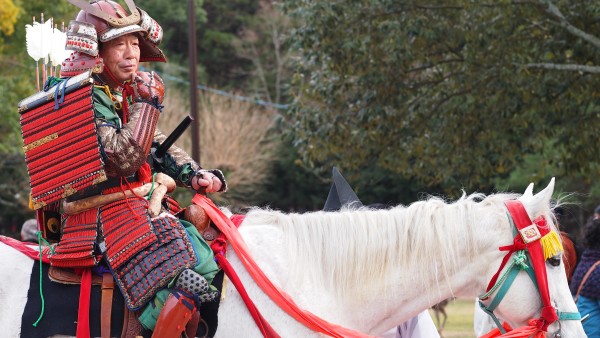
(292, 187)
(450, 93)
(263, 42)
(14, 191)
(217, 38)
(217, 26)
(8, 16)
(222, 30)
(173, 18)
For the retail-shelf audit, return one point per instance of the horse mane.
(356, 248)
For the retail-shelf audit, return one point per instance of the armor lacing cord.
(152, 187)
(40, 241)
(147, 204)
(112, 97)
(59, 95)
(127, 92)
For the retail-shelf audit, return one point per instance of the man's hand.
(205, 181)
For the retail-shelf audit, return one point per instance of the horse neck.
(474, 246)
(379, 261)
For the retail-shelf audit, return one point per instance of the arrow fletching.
(33, 38)
(58, 53)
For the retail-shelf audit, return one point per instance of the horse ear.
(340, 194)
(535, 204)
(529, 191)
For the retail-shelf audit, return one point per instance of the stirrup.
(177, 311)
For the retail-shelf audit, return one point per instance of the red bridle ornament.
(541, 242)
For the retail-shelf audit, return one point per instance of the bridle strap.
(519, 263)
(529, 253)
(518, 246)
(568, 315)
(522, 220)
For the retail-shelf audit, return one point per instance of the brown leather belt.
(108, 285)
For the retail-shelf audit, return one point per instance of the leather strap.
(108, 285)
(69, 276)
(584, 279)
(210, 233)
(131, 325)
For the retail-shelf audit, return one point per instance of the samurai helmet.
(103, 20)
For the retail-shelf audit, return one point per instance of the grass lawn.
(460, 318)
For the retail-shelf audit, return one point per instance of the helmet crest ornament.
(104, 20)
(131, 19)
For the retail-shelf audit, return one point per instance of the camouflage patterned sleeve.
(180, 166)
(125, 147)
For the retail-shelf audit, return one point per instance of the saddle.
(131, 325)
(205, 226)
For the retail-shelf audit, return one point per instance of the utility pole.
(193, 81)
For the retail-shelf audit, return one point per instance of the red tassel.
(127, 92)
(532, 330)
(496, 332)
(145, 173)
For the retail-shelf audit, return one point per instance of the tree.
(225, 68)
(173, 18)
(240, 44)
(8, 16)
(264, 42)
(451, 93)
(234, 138)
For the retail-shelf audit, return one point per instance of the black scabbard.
(183, 125)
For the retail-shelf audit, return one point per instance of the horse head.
(521, 303)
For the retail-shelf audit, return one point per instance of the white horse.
(367, 270)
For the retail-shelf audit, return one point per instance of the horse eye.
(554, 261)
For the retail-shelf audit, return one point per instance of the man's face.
(121, 56)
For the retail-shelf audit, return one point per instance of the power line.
(224, 93)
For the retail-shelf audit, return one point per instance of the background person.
(585, 285)
(29, 231)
